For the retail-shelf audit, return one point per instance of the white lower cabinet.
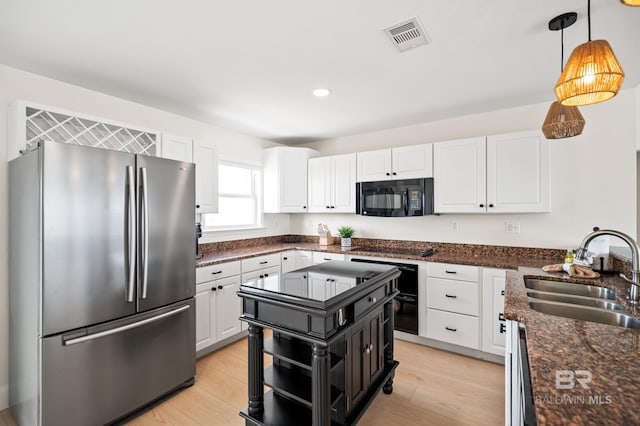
(218, 307)
(321, 257)
(295, 259)
(259, 267)
(493, 324)
(453, 328)
(453, 304)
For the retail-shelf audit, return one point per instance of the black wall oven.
(405, 304)
(394, 198)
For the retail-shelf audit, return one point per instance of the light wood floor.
(431, 387)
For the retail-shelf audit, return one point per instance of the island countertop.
(323, 285)
(610, 354)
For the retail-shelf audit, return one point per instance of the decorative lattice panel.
(44, 125)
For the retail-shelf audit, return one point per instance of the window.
(239, 203)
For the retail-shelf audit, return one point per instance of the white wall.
(593, 179)
(15, 84)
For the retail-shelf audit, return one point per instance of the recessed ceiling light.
(321, 92)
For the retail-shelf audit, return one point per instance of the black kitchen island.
(332, 343)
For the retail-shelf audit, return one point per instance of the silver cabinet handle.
(373, 300)
(130, 229)
(367, 349)
(125, 327)
(145, 230)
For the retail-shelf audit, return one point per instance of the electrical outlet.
(512, 227)
(454, 225)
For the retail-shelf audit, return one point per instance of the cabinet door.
(459, 176)
(287, 261)
(493, 324)
(375, 352)
(374, 165)
(303, 259)
(321, 286)
(205, 316)
(179, 148)
(412, 162)
(343, 183)
(518, 173)
(206, 158)
(228, 307)
(319, 185)
(293, 180)
(357, 377)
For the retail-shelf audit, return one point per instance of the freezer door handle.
(144, 195)
(116, 330)
(130, 230)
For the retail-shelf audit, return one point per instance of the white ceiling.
(251, 65)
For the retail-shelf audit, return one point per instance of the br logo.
(566, 379)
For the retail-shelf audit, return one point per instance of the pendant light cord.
(589, 17)
(562, 49)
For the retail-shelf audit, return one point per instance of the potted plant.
(345, 235)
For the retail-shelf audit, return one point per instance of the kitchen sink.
(577, 300)
(551, 286)
(585, 313)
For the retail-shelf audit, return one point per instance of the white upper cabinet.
(497, 174)
(285, 179)
(175, 147)
(204, 155)
(406, 162)
(459, 176)
(332, 184)
(374, 165)
(518, 173)
(412, 162)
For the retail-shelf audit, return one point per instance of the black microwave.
(395, 198)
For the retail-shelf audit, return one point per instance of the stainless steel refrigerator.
(102, 279)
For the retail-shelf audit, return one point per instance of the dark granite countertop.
(609, 353)
(499, 260)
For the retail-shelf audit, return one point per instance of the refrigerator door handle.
(145, 230)
(130, 230)
(116, 330)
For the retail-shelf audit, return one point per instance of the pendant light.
(562, 121)
(631, 2)
(592, 73)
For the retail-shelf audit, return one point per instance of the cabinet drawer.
(453, 296)
(453, 272)
(321, 257)
(215, 272)
(458, 329)
(369, 300)
(260, 262)
(254, 275)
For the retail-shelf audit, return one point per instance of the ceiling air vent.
(407, 34)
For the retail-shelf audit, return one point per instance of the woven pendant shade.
(591, 75)
(631, 2)
(562, 122)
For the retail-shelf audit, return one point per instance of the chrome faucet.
(634, 290)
